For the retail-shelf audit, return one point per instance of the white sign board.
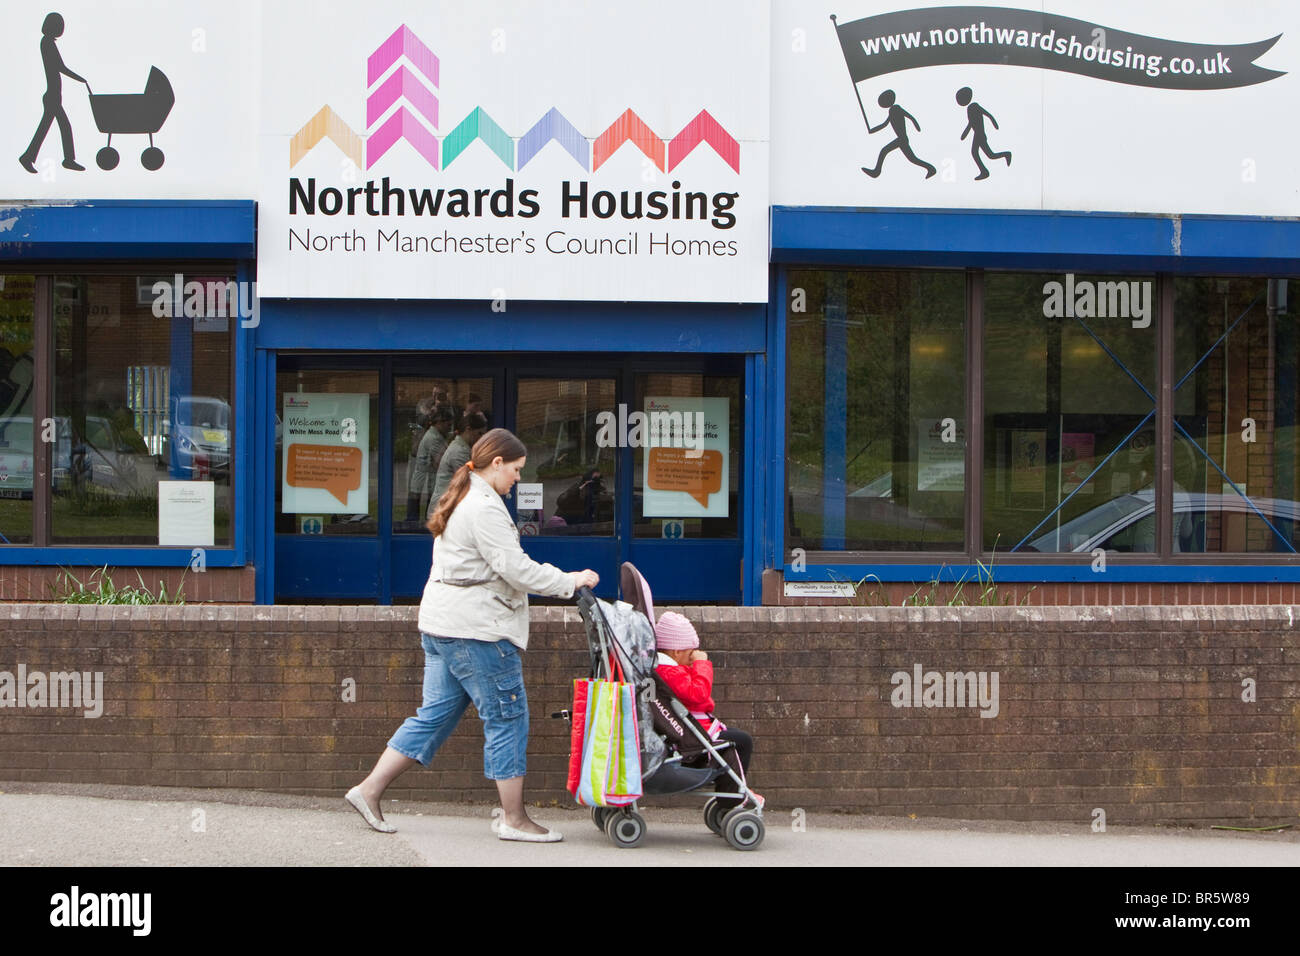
(530, 496)
(495, 150)
(326, 462)
(816, 589)
(1098, 105)
(186, 513)
(687, 462)
(940, 455)
(173, 85)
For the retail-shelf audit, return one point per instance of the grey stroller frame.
(620, 637)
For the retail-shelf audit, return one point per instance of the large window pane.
(17, 381)
(560, 422)
(320, 504)
(429, 412)
(704, 486)
(1235, 370)
(876, 430)
(138, 398)
(1069, 412)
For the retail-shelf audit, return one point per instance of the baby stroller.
(677, 756)
(134, 113)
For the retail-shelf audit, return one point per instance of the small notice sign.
(185, 513)
(807, 589)
(530, 496)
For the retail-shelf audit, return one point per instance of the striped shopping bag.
(610, 771)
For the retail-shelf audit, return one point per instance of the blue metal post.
(836, 426)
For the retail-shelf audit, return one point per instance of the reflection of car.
(1127, 523)
(17, 463)
(199, 441)
(110, 459)
(882, 487)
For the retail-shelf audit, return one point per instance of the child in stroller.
(689, 674)
(678, 755)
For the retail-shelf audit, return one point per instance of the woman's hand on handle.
(584, 579)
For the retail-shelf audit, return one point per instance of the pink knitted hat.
(675, 633)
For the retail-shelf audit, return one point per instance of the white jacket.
(480, 580)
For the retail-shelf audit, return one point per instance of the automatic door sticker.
(331, 467)
(672, 469)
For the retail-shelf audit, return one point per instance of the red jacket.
(693, 686)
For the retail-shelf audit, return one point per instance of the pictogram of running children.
(897, 119)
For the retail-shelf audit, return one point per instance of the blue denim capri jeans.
(460, 671)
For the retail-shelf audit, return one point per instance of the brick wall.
(1136, 711)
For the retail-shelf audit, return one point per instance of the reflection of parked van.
(199, 442)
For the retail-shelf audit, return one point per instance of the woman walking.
(473, 625)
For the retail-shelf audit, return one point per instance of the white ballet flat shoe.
(507, 832)
(358, 802)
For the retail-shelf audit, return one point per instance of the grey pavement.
(87, 825)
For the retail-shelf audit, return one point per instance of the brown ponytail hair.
(499, 442)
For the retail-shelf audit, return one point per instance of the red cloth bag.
(577, 733)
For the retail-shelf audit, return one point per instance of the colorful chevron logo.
(412, 87)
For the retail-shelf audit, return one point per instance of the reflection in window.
(876, 435)
(569, 463)
(138, 398)
(1237, 386)
(1069, 411)
(17, 381)
(429, 415)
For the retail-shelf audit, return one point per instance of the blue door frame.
(632, 338)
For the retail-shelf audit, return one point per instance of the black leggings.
(743, 750)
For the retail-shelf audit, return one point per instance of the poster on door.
(326, 468)
(687, 458)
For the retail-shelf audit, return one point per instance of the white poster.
(530, 496)
(186, 513)
(940, 455)
(687, 458)
(132, 99)
(494, 150)
(1097, 105)
(326, 458)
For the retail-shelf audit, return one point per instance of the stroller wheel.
(106, 158)
(714, 811)
(744, 829)
(625, 829)
(152, 158)
(600, 816)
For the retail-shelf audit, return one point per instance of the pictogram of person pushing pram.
(132, 113)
